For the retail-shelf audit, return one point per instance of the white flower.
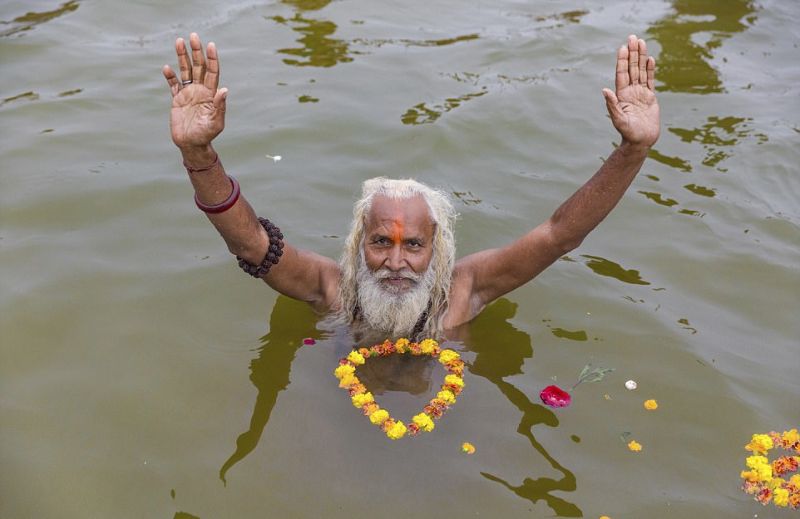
(631, 385)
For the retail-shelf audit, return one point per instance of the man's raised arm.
(635, 114)
(196, 118)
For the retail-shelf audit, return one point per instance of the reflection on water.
(31, 19)
(380, 42)
(614, 270)
(701, 190)
(424, 114)
(568, 16)
(490, 329)
(658, 198)
(289, 323)
(673, 162)
(687, 38)
(292, 320)
(718, 135)
(28, 96)
(318, 49)
(577, 335)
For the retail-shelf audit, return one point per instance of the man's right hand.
(198, 107)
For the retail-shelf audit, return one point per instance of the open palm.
(198, 107)
(633, 107)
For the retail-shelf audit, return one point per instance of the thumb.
(219, 99)
(612, 103)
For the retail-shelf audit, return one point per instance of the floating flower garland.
(764, 480)
(363, 399)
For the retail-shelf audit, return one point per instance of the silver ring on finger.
(186, 82)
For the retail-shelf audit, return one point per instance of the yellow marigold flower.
(634, 446)
(795, 480)
(790, 437)
(467, 448)
(749, 475)
(356, 358)
(650, 405)
(447, 356)
(379, 416)
(763, 472)
(360, 400)
(396, 431)
(344, 369)
(424, 422)
(760, 444)
(756, 461)
(401, 345)
(427, 346)
(604, 517)
(454, 380)
(348, 381)
(446, 396)
(781, 497)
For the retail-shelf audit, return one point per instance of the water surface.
(143, 375)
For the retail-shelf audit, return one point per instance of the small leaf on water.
(624, 436)
(593, 374)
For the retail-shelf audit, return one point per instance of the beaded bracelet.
(225, 204)
(274, 252)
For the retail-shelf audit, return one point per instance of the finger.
(172, 80)
(198, 61)
(622, 78)
(220, 99)
(612, 103)
(642, 61)
(211, 81)
(183, 60)
(651, 73)
(633, 59)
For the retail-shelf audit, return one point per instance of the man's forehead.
(413, 213)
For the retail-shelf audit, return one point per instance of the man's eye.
(414, 244)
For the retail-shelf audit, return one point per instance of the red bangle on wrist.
(191, 169)
(224, 205)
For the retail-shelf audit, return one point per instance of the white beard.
(395, 313)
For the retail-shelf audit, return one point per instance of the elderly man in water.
(398, 274)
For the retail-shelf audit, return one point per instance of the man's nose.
(395, 260)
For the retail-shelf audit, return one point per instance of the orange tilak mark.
(397, 231)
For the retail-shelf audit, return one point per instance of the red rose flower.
(554, 396)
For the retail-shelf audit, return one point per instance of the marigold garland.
(364, 400)
(764, 480)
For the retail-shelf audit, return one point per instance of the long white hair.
(441, 266)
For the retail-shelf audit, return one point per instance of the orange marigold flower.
(791, 439)
(784, 464)
(370, 408)
(357, 389)
(764, 496)
(467, 448)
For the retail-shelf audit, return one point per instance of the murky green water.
(143, 375)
